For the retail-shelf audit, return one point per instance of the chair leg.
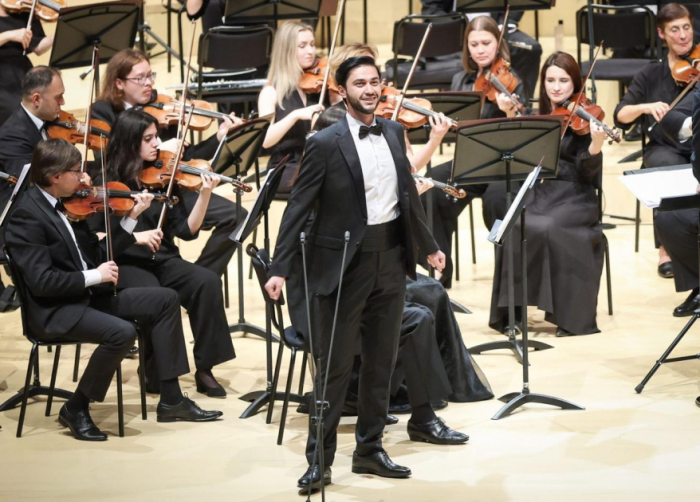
(255, 242)
(607, 274)
(637, 223)
(303, 373)
(471, 230)
(275, 380)
(33, 360)
(226, 295)
(49, 348)
(287, 393)
(456, 253)
(142, 378)
(52, 386)
(76, 365)
(120, 401)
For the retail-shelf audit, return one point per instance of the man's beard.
(357, 105)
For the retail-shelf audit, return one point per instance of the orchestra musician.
(648, 98)
(128, 83)
(564, 235)
(358, 178)
(133, 143)
(64, 266)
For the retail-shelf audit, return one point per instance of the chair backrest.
(617, 27)
(221, 47)
(261, 264)
(446, 37)
(20, 287)
(455, 105)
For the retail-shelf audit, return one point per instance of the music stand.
(262, 11)
(481, 6)
(502, 230)
(506, 150)
(459, 106)
(109, 26)
(236, 154)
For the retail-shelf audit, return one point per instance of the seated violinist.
(564, 235)
(72, 296)
(648, 98)
(128, 83)
(133, 146)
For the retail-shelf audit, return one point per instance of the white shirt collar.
(127, 106)
(355, 124)
(37, 121)
(52, 200)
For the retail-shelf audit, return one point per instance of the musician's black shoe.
(634, 134)
(436, 431)
(133, 353)
(311, 480)
(689, 306)
(697, 401)
(81, 425)
(392, 420)
(202, 388)
(185, 411)
(562, 332)
(379, 464)
(665, 270)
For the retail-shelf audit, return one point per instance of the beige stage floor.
(624, 446)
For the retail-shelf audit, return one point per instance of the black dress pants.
(372, 295)
(221, 217)
(105, 323)
(678, 231)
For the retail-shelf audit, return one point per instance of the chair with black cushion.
(616, 27)
(291, 339)
(35, 388)
(606, 249)
(441, 57)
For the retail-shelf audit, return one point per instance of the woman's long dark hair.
(567, 63)
(124, 149)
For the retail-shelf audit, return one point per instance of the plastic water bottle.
(559, 36)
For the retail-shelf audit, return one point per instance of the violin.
(685, 69)
(12, 180)
(498, 79)
(67, 127)
(585, 114)
(187, 176)
(414, 111)
(88, 200)
(166, 111)
(455, 192)
(46, 10)
(311, 81)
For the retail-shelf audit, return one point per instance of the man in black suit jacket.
(58, 263)
(358, 180)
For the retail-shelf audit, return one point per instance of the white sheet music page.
(519, 197)
(651, 187)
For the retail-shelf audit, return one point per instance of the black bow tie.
(375, 129)
(59, 207)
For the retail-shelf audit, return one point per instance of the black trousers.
(105, 323)
(221, 217)
(199, 292)
(372, 297)
(678, 231)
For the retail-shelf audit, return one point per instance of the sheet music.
(18, 187)
(529, 181)
(651, 187)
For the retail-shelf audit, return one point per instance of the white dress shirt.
(379, 173)
(37, 122)
(92, 276)
(686, 131)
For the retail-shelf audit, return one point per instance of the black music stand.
(109, 26)
(474, 6)
(500, 231)
(459, 106)
(507, 150)
(262, 11)
(235, 155)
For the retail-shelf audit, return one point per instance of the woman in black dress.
(14, 39)
(564, 236)
(293, 52)
(480, 51)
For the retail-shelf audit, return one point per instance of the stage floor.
(624, 446)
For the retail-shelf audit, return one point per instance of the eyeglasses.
(77, 171)
(151, 77)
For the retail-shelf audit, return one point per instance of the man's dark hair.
(341, 76)
(50, 158)
(37, 79)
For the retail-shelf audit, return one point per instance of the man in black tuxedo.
(58, 262)
(358, 179)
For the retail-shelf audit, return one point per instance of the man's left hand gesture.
(437, 260)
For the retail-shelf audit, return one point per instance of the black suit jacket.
(695, 141)
(44, 252)
(672, 122)
(331, 182)
(18, 138)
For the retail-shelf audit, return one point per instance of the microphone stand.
(320, 406)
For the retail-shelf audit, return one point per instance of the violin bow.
(186, 86)
(504, 27)
(338, 18)
(88, 117)
(673, 103)
(409, 77)
(108, 218)
(580, 95)
(29, 21)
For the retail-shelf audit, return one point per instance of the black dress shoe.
(133, 353)
(688, 307)
(436, 431)
(81, 425)
(634, 134)
(665, 270)
(562, 332)
(392, 420)
(311, 480)
(185, 411)
(379, 464)
(217, 391)
(697, 401)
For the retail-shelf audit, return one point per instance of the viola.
(450, 190)
(685, 69)
(414, 111)
(166, 111)
(12, 180)
(311, 80)
(583, 115)
(67, 127)
(498, 79)
(46, 10)
(187, 176)
(88, 200)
